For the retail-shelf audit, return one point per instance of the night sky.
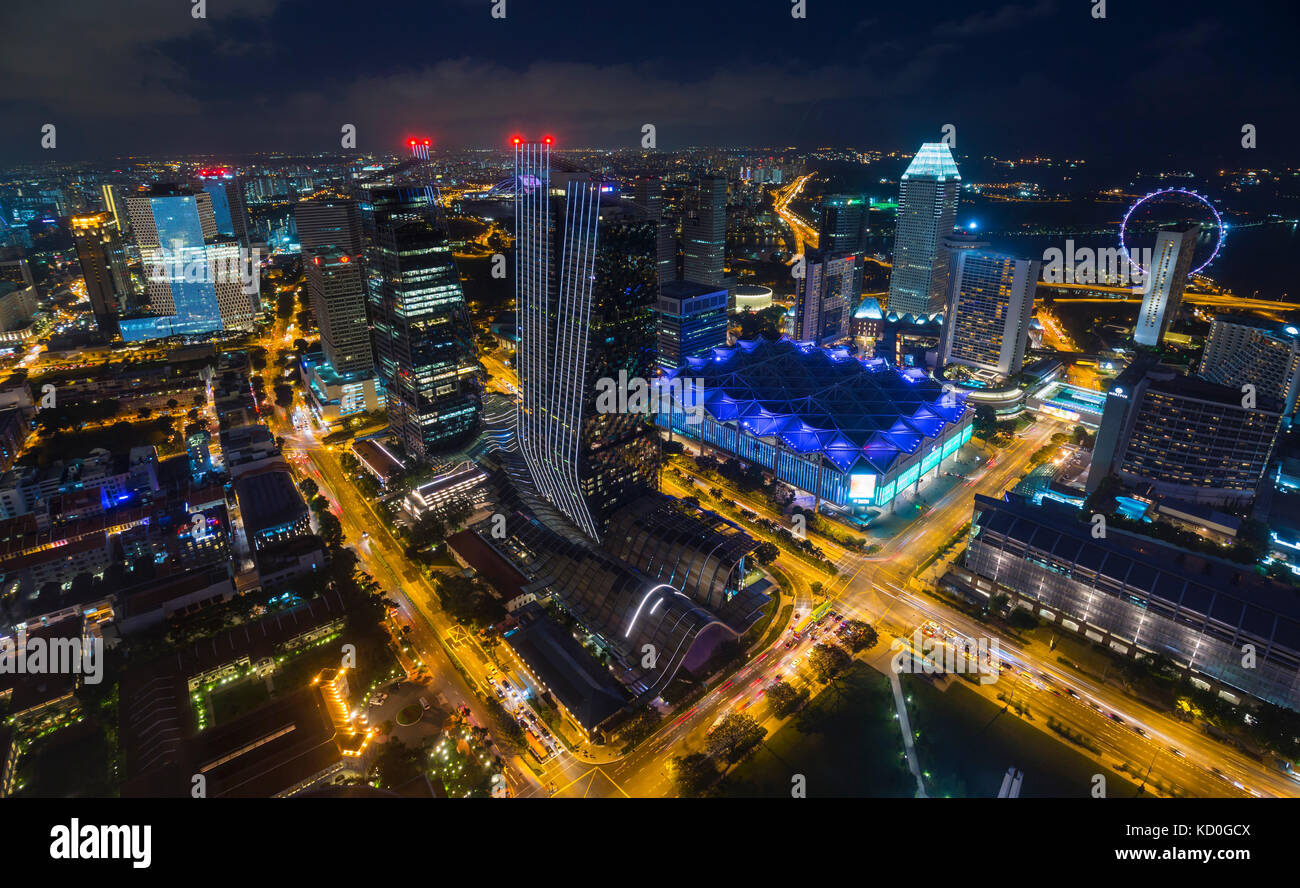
(1150, 82)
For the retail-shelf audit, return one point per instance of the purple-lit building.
(854, 433)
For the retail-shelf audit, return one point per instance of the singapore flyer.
(1186, 205)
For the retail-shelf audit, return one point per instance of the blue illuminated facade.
(854, 433)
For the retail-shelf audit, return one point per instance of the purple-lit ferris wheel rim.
(1218, 223)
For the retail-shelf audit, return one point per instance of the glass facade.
(423, 340)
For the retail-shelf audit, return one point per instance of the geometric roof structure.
(816, 400)
(933, 161)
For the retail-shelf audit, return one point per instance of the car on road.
(1176, 751)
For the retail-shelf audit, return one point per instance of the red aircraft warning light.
(548, 140)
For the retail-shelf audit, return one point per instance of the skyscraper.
(1248, 349)
(115, 203)
(825, 296)
(586, 312)
(990, 306)
(1171, 261)
(704, 232)
(228, 206)
(332, 221)
(692, 322)
(103, 264)
(927, 209)
(196, 280)
(648, 192)
(843, 224)
(423, 339)
(1187, 438)
(336, 286)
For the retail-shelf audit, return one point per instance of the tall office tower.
(586, 312)
(333, 222)
(990, 306)
(103, 264)
(1187, 438)
(114, 197)
(927, 209)
(692, 322)
(423, 339)
(228, 206)
(1247, 349)
(1171, 262)
(842, 228)
(825, 296)
(704, 232)
(336, 285)
(648, 192)
(843, 225)
(195, 279)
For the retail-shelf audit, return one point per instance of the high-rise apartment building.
(990, 307)
(586, 292)
(197, 282)
(1171, 262)
(1247, 349)
(927, 208)
(103, 264)
(423, 339)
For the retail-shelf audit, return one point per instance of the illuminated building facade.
(103, 264)
(825, 296)
(692, 321)
(704, 232)
(927, 209)
(990, 306)
(423, 340)
(586, 291)
(1188, 438)
(1248, 349)
(1171, 261)
(853, 433)
(228, 206)
(193, 275)
(1137, 595)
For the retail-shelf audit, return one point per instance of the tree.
(693, 774)
(733, 737)
(858, 635)
(784, 698)
(172, 403)
(766, 552)
(331, 531)
(309, 488)
(828, 662)
(985, 422)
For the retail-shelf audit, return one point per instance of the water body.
(1258, 257)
